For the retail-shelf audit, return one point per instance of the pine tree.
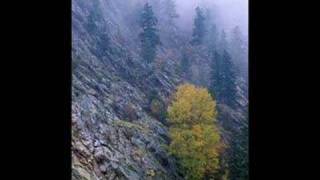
(199, 30)
(228, 90)
(167, 22)
(94, 17)
(212, 39)
(215, 76)
(96, 25)
(239, 51)
(237, 39)
(223, 78)
(149, 36)
(185, 65)
(239, 155)
(223, 42)
(169, 12)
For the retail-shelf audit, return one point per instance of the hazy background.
(229, 13)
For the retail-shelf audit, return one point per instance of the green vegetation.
(96, 25)
(223, 78)
(185, 65)
(199, 30)
(149, 36)
(195, 138)
(239, 155)
(158, 109)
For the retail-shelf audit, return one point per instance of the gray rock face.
(114, 136)
(107, 78)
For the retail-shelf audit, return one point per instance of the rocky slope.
(114, 134)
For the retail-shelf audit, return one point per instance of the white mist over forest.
(226, 13)
(229, 13)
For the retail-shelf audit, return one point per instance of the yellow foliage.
(192, 105)
(195, 138)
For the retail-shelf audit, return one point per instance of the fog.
(227, 13)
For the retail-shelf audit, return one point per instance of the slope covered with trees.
(129, 59)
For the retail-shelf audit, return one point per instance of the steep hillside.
(115, 135)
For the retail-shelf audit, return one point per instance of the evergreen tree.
(239, 51)
(185, 65)
(223, 78)
(149, 36)
(199, 30)
(167, 23)
(228, 78)
(239, 155)
(212, 39)
(96, 25)
(215, 77)
(94, 17)
(223, 43)
(237, 39)
(169, 12)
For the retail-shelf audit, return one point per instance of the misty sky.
(230, 12)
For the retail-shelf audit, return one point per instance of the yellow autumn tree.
(195, 138)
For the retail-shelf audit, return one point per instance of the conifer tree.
(168, 15)
(215, 75)
(223, 78)
(239, 51)
(212, 39)
(223, 42)
(149, 36)
(169, 11)
(199, 29)
(185, 65)
(237, 42)
(223, 73)
(228, 91)
(239, 155)
(94, 17)
(96, 25)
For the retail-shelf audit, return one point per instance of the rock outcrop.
(114, 134)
